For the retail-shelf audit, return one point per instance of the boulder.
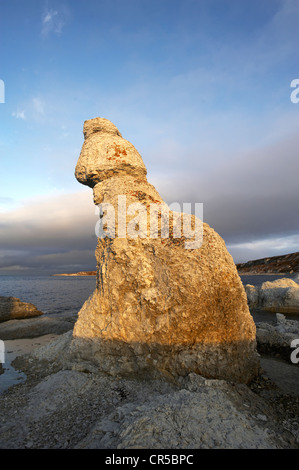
(12, 308)
(281, 295)
(276, 339)
(164, 303)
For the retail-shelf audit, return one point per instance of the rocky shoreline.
(62, 405)
(54, 402)
(165, 353)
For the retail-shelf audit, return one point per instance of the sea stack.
(163, 305)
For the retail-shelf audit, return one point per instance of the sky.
(202, 88)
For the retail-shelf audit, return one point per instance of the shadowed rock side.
(158, 307)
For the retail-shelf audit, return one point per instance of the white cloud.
(35, 108)
(272, 246)
(19, 114)
(52, 22)
(50, 233)
(49, 16)
(58, 220)
(38, 106)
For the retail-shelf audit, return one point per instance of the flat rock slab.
(33, 327)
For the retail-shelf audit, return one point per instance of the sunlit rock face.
(165, 303)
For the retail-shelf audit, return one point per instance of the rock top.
(102, 125)
(105, 153)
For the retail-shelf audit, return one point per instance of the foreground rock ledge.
(158, 308)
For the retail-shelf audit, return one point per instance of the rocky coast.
(60, 406)
(165, 353)
(272, 265)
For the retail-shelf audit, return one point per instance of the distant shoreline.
(83, 273)
(267, 274)
(282, 264)
(94, 273)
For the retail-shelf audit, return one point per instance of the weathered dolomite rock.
(12, 308)
(277, 339)
(158, 308)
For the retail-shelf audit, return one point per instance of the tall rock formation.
(164, 304)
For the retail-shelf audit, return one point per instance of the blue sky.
(200, 87)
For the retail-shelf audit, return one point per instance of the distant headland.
(283, 264)
(81, 273)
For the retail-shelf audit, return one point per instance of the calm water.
(60, 294)
(50, 294)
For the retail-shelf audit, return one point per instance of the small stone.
(262, 417)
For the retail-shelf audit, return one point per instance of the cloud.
(68, 261)
(6, 200)
(49, 234)
(38, 106)
(34, 108)
(14, 268)
(19, 114)
(53, 21)
(52, 222)
(251, 199)
(271, 246)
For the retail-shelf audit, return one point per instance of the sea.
(66, 294)
(50, 294)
